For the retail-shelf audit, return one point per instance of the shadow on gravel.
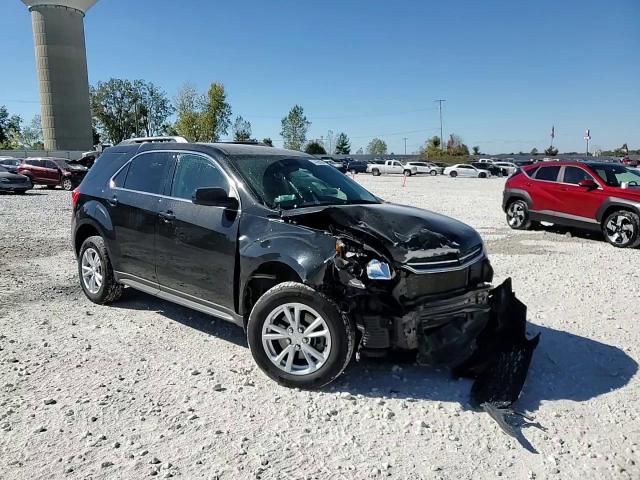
(594, 235)
(136, 300)
(564, 367)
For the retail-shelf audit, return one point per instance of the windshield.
(615, 175)
(297, 182)
(10, 162)
(61, 163)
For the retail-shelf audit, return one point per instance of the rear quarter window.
(105, 166)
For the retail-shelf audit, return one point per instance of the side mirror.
(588, 184)
(214, 197)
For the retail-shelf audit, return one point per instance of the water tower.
(61, 62)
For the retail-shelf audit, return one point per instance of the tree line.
(15, 134)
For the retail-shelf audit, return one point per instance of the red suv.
(52, 172)
(596, 196)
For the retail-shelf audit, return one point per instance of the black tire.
(433, 173)
(342, 334)
(518, 215)
(407, 173)
(375, 172)
(453, 174)
(110, 290)
(67, 184)
(622, 229)
(482, 175)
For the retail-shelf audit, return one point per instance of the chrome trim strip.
(473, 253)
(155, 291)
(446, 269)
(553, 213)
(232, 183)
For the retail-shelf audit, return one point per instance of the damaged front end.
(414, 280)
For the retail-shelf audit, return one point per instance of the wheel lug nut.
(290, 330)
(297, 347)
(288, 341)
(300, 330)
(305, 340)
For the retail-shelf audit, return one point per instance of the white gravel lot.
(147, 388)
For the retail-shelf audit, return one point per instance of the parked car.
(423, 167)
(391, 166)
(492, 168)
(356, 166)
(10, 163)
(52, 172)
(589, 195)
(464, 170)
(524, 163)
(508, 168)
(13, 182)
(486, 160)
(629, 162)
(334, 163)
(310, 263)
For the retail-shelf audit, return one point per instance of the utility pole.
(405, 145)
(440, 109)
(587, 137)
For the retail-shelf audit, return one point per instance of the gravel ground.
(146, 388)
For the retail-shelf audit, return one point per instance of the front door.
(196, 244)
(579, 201)
(51, 172)
(133, 205)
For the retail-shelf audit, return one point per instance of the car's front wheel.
(299, 337)
(67, 184)
(453, 174)
(518, 215)
(375, 172)
(407, 173)
(433, 173)
(622, 229)
(96, 274)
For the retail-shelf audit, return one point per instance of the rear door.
(50, 172)
(136, 198)
(196, 244)
(579, 201)
(545, 189)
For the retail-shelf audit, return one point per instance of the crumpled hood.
(407, 233)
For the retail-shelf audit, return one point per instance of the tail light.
(75, 194)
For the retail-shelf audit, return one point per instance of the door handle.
(167, 217)
(113, 201)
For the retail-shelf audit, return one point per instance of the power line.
(440, 109)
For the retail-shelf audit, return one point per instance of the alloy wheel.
(516, 214)
(92, 271)
(67, 184)
(619, 229)
(296, 339)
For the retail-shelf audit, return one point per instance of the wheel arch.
(513, 194)
(611, 205)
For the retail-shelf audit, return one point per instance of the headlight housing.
(377, 270)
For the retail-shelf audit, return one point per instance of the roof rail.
(166, 139)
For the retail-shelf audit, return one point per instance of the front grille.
(443, 263)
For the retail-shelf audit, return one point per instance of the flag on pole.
(553, 131)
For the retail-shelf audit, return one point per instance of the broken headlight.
(377, 270)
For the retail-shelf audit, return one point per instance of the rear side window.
(148, 172)
(193, 172)
(548, 173)
(575, 175)
(33, 163)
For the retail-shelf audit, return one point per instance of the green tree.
(187, 105)
(377, 147)
(216, 113)
(10, 126)
(534, 151)
(551, 151)
(267, 141)
(455, 146)
(31, 135)
(315, 148)
(359, 151)
(152, 108)
(294, 128)
(476, 150)
(241, 130)
(343, 146)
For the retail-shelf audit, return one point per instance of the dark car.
(52, 172)
(356, 166)
(311, 264)
(588, 195)
(12, 182)
(10, 163)
(493, 169)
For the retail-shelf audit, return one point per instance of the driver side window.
(193, 172)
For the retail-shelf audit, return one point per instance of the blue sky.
(508, 70)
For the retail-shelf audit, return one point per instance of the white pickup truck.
(391, 166)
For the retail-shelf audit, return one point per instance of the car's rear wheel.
(375, 172)
(482, 175)
(299, 337)
(95, 271)
(622, 229)
(67, 184)
(433, 173)
(518, 215)
(454, 174)
(407, 173)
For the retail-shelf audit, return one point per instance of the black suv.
(311, 264)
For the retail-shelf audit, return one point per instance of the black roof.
(223, 148)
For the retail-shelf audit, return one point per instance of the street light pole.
(440, 109)
(405, 145)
